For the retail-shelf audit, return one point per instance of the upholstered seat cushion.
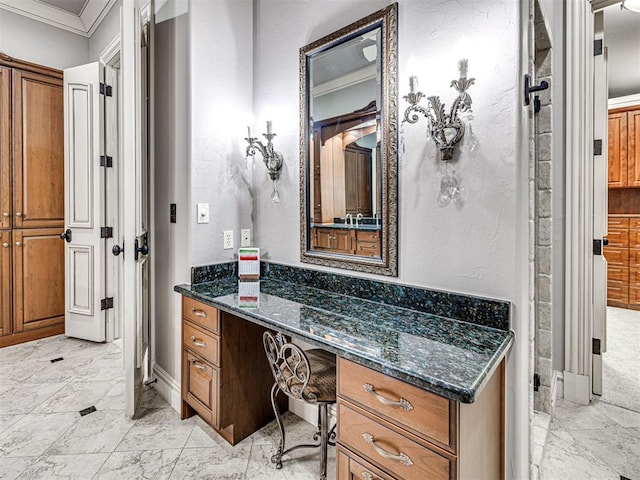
(322, 384)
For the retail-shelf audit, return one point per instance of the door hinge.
(597, 147)
(597, 247)
(597, 47)
(106, 161)
(536, 382)
(595, 346)
(106, 303)
(106, 232)
(105, 90)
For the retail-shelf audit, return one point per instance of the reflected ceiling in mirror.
(348, 136)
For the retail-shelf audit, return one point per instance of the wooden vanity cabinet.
(226, 378)
(624, 147)
(31, 201)
(623, 261)
(336, 240)
(421, 436)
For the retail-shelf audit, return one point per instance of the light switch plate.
(227, 239)
(203, 213)
(245, 237)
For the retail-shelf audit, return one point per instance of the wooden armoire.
(31, 201)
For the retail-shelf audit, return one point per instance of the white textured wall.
(37, 42)
(105, 33)
(474, 248)
(169, 240)
(220, 66)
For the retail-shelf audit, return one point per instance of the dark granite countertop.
(346, 226)
(448, 357)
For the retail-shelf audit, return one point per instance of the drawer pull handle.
(195, 363)
(198, 343)
(402, 403)
(198, 312)
(366, 476)
(401, 457)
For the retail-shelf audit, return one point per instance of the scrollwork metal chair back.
(290, 367)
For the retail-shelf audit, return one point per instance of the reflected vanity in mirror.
(348, 146)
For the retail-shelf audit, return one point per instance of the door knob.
(66, 235)
(5, 214)
(18, 214)
(5, 245)
(144, 249)
(18, 244)
(117, 250)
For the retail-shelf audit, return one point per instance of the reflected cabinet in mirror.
(348, 147)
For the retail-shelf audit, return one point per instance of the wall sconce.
(272, 158)
(446, 130)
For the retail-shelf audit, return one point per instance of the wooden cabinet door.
(38, 279)
(342, 241)
(322, 238)
(5, 147)
(5, 282)
(633, 147)
(357, 166)
(38, 149)
(618, 149)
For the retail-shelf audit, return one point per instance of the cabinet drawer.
(634, 296)
(352, 467)
(616, 272)
(367, 235)
(368, 249)
(618, 237)
(618, 291)
(634, 232)
(634, 257)
(201, 314)
(204, 344)
(425, 414)
(201, 387)
(389, 449)
(619, 223)
(617, 255)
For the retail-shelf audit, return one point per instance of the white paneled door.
(600, 189)
(135, 196)
(84, 203)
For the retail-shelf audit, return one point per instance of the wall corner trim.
(167, 387)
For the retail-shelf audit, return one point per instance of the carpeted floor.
(621, 361)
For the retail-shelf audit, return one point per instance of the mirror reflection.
(346, 207)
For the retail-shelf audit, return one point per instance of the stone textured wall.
(543, 213)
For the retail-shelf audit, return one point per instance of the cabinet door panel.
(38, 279)
(618, 149)
(633, 147)
(38, 150)
(5, 283)
(5, 147)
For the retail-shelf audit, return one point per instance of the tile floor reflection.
(43, 436)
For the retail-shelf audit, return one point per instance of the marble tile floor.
(601, 441)
(43, 435)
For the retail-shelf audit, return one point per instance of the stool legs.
(277, 458)
(324, 440)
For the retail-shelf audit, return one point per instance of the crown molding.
(84, 24)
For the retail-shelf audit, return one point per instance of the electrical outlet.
(203, 213)
(245, 237)
(227, 239)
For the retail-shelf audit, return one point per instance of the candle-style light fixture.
(272, 158)
(446, 130)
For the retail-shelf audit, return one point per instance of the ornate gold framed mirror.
(348, 147)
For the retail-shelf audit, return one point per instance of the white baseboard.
(167, 387)
(577, 388)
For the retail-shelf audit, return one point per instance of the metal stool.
(309, 376)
